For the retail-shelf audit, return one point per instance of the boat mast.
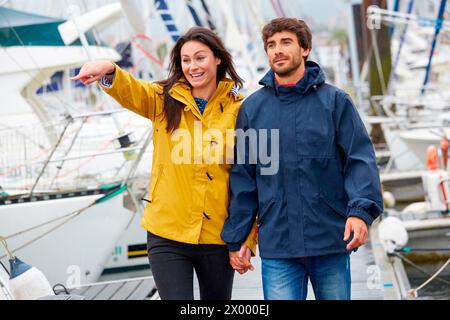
(400, 46)
(208, 15)
(166, 16)
(194, 14)
(437, 30)
(235, 41)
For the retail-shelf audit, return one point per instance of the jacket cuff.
(233, 247)
(105, 83)
(252, 239)
(360, 213)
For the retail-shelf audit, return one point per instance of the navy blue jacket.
(327, 170)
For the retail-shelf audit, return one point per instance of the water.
(435, 290)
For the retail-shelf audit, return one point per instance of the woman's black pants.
(172, 264)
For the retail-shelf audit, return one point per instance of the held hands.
(94, 71)
(240, 260)
(359, 229)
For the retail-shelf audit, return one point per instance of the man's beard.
(288, 70)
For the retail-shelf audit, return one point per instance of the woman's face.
(199, 64)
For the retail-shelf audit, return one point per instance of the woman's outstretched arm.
(136, 95)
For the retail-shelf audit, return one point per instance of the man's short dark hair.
(299, 27)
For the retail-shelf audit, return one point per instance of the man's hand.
(359, 229)
(240, 260)
(93, 71)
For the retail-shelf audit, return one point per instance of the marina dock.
(78, 168)
(128, 289)
(366, 284)
(364, 273)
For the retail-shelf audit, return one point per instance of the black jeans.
(173, 264)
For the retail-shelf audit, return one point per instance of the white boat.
(75, 252)
(416, 240)
(57, 212)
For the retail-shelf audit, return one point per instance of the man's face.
(285, 54)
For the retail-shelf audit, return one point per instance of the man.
(314, 211)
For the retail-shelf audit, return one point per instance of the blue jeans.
(287, 279)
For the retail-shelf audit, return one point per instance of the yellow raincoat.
(189, 187)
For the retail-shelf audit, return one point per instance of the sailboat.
(415, 239)
(69, 171)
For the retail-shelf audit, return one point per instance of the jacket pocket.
(334, 206)
(155, 181)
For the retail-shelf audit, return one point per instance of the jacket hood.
(314, 76)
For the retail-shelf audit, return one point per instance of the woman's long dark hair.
(172, 107)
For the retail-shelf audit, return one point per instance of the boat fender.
(388, 199)
(27, 282)
(392, 234)
(435, 183)
(444, 150)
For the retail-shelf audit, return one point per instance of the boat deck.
(128, 289)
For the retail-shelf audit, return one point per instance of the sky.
(323, 10)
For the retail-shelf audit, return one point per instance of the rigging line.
(194, 14)
(4, 268)
(149, 136)
(23, 135)
(73, 17)
(276, 4)
(142, 49)
(254, 12)
(43, 224)
(414, 265)
(102, 148)
(70, 216)
(69, 121)
(413, 292)
(26, 244)
(9, 253)
(44, 149)
(138, 159)
(209, 18)
(69, 149)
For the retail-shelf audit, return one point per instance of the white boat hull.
(76, 252)
(130, 252)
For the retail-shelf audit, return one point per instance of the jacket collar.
(313, 77)
(182, 92)
(224, 87)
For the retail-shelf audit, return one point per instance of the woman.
(188, 196)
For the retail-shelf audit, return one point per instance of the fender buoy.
(444, 150)
(27, 282)
(392, 234)
(436, 182)
(432, 158)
